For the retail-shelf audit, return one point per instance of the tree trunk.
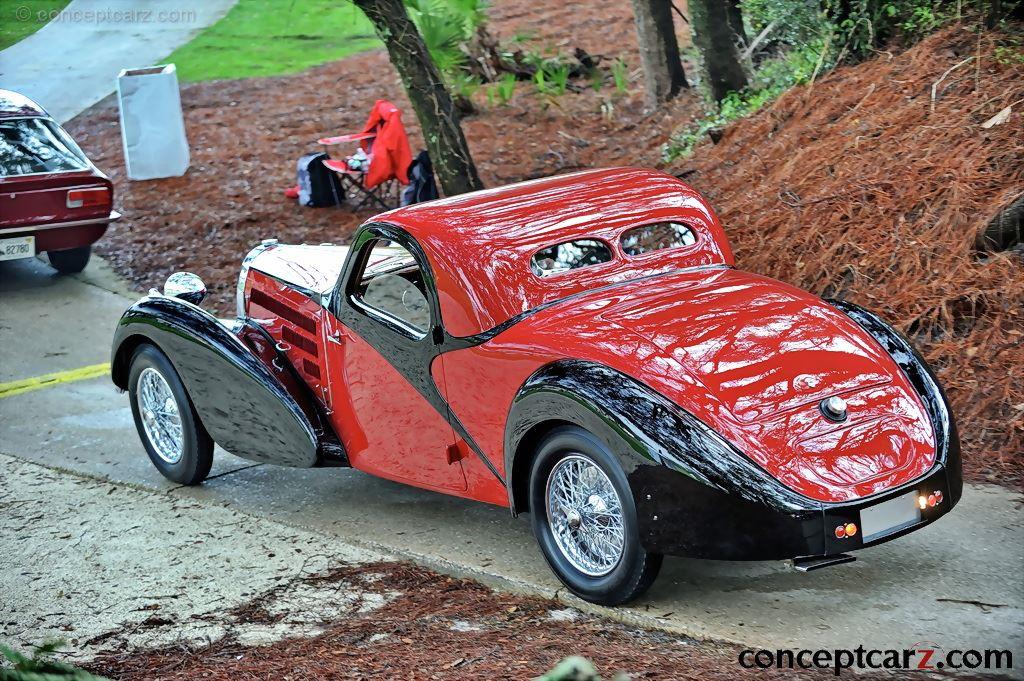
(1005, 230)
(995, 10)
(714, 39)
(438, 118)
(736, 22)
(659, 50)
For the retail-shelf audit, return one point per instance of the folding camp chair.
(375, 183)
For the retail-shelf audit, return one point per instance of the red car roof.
(14, 105)
(480, 244)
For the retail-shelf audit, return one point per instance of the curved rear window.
(570, 255)
(37, 145)
(656, 236)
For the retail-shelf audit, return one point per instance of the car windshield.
(37, 145)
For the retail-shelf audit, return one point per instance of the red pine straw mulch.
(442, 628)
(855, 188)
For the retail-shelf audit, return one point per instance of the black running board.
(817, 562)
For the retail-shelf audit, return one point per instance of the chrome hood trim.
(313, 270)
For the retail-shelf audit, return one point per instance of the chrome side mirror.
(185, 286)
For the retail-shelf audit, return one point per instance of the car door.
(381, 343)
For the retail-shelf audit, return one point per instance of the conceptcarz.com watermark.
(924, 656)
(107, 15)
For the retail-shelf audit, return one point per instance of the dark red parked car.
(580, 348)
(52, 198)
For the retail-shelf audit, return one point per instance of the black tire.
(636, 569)
(197, 445)
(70, 261)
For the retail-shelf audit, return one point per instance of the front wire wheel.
(584, 519)
(161, 418)
(168, 425)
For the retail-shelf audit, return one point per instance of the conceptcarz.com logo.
(923, 655)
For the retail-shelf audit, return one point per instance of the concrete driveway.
(176, 574)
(952, 584)
(72, 62)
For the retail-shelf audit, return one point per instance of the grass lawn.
(267, 37)
(21, 18)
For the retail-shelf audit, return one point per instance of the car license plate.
(889, 516)
(17, 248)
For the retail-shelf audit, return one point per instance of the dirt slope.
(857, 188)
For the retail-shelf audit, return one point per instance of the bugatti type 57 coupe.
(580, 348)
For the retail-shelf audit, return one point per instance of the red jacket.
(389, 152)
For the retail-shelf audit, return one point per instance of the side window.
(569, 256)
(392, 284)
(656, 236)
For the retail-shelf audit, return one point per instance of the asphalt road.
(955, 584)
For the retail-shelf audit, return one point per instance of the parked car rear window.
(569, 256)
(656, 236)
(37, 145)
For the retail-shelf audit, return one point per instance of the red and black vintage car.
(52, 198)
(580, 348)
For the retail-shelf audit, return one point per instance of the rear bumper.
(678, 516)
(58, 236)
(840, 514)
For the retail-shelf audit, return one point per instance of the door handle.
(336, 337)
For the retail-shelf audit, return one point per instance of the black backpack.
(421, 181)
(318, 185)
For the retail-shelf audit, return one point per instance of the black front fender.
(695, 494)
(242, 404)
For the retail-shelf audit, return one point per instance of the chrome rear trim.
(114, 215)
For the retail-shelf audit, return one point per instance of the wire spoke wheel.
(161, 418)
(585, 515)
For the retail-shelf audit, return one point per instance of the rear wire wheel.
(584, 519)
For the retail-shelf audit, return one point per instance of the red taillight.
(94, 197)
(847, 530)
(938, 497)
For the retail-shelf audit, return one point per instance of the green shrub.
(552, 78)
(447, 25)
(857, 27)
(620, 74)
(775, 76)
(522, 36)
(462, 84)
(503, 90)
(797, 22)
(41, 666)
(861, 26)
